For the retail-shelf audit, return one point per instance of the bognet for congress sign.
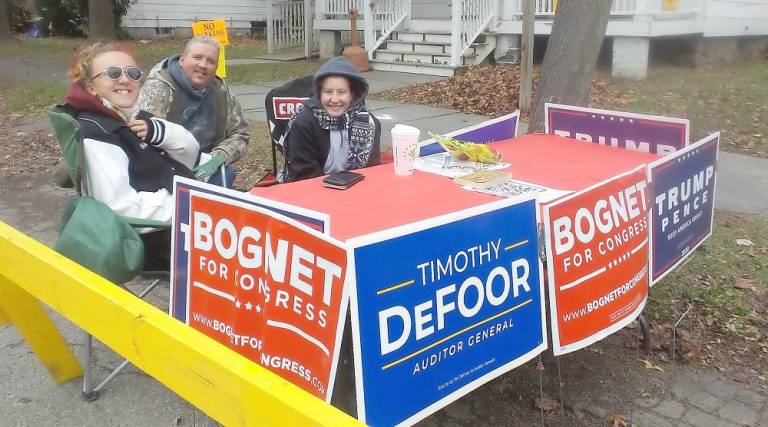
(260, 283)
(597, 260)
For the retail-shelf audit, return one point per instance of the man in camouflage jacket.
(184, 89)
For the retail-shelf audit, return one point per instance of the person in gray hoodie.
(334, 131)
(184, 89)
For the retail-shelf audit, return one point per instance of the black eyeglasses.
(114, 72)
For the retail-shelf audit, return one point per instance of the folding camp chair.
(281, 103)
(67, 131)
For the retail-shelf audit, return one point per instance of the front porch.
(441, 36)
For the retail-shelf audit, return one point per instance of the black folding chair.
(281, 103)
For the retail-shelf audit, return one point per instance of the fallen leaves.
(618, 420)
(546, 404)
(744, 284)
(487, 90)
(744, 242)
(491, 91)
(651, 366)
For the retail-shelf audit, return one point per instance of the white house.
(153, 18)
(437, 36)
(440, 36)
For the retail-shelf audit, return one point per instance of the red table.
(384, 200)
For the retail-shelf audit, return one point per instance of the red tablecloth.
(384, 200)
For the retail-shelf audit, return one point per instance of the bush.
(19, 16)
(70, 17)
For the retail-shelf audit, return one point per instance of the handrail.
(383, 17)
(469, 19)
(287, 24)
(223, 384)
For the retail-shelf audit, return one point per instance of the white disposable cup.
(405, 148)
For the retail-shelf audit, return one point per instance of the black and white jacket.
(135, 178)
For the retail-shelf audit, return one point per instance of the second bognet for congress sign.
(264, 285)
(443, 306)
(597, 260)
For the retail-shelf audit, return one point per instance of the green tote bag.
(96, 238)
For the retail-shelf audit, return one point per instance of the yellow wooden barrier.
(3, 317)
(226, 386)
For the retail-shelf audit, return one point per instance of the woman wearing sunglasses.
(130, 157)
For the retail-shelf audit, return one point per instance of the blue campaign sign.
(683, 188)
(183, 188)
(504, 127)
(442, 306)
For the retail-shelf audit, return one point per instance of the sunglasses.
(114, 72)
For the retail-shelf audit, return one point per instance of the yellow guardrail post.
(39, 332)
(225, 385)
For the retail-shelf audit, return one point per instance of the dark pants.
(229, 173)
(157, 250)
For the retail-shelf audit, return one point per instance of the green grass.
(147, 52)
(257, 73)
(150, 53)
(32, 96)
(50, 46)
(707, 280)
(257, 160)
(728, 97)
(27, 95)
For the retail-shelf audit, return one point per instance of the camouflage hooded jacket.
(157, 97)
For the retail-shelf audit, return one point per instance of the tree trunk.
(569, 62)
(101, 20)
(5, 24)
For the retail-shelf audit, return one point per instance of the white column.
(330, 43)
(456, 45)
(270, 28)
(630, 57)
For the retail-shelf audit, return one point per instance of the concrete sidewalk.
(742, 180)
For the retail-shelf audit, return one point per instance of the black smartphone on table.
(342, 180)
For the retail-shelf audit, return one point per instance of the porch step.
(427, 52)
(397, 42)
(420, 58)
(414, 67)
(431, 37)
(430, 25)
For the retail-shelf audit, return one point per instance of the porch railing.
(469, 18)
(325, 8)
(623, 7)
(289, 24)
(381, 18)
(548, 7)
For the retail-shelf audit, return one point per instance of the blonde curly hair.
(80, 65)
